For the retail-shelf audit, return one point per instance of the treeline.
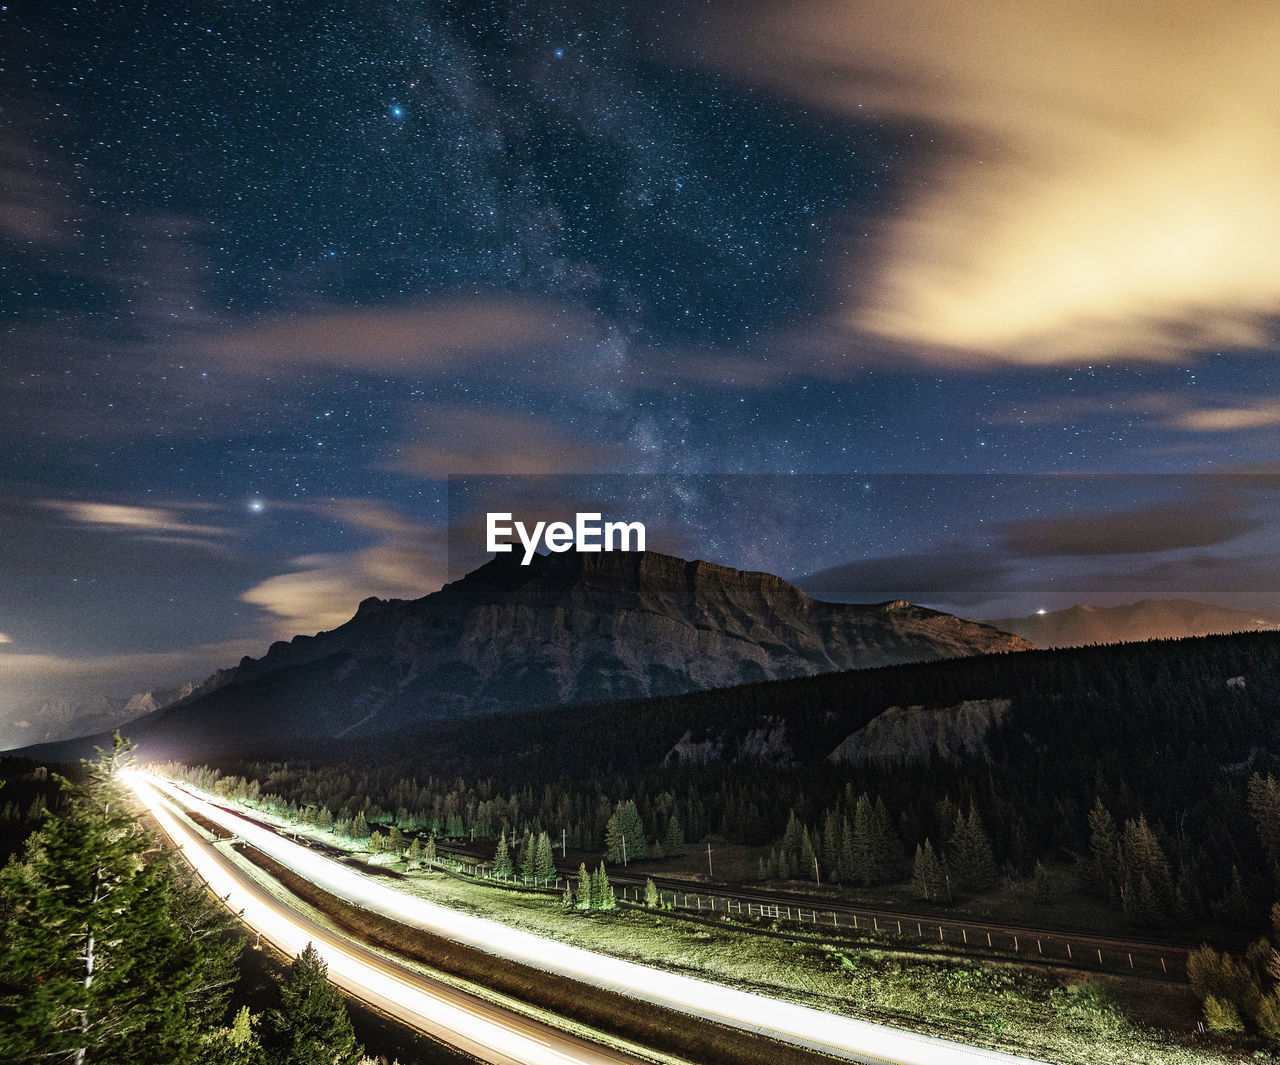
(1164, 736)
(111, 954)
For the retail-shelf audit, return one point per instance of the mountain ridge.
(570, 628)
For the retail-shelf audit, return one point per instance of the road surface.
(844, 1037)
(480, 1028)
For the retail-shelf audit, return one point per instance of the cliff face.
(568, 628)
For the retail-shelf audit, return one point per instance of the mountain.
(1149, 619)
(59, 719)
(568, 628)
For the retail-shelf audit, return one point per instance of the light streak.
(847, 1037)
(488, 1032)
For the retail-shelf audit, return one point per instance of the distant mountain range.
(58, 719)
(569, 628)
(1149, 619)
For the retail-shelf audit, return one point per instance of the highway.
(840, 1036)
(475, 1026)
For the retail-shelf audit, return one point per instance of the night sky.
(270, 272)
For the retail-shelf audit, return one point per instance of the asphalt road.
(843, 1037)
(473, 1025)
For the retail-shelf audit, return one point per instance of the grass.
(1054, 1015)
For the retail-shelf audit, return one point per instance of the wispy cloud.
(454, 440)
(1108, 185)
(1227, 418)
(322, 591)
(407, 339)
(1147, 529)
(166, 524)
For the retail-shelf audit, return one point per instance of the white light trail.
(492, 1034)
(847, 1037)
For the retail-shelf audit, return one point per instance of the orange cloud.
(406, 339)
(1111, 188)
(322, 591)
(450, 440)
(165, 523)
(1221, 419)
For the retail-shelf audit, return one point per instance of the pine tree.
(105, 957)
(863, 858)
(414, 854)
(359, 827)
(237, 1045)
(544, 863)
(651, 894)
(584, 887)
(831, 828)
(929, 874)
(886, 847)
(528, 859)
(1148, 882)
(602, 897)
(1101, 872)
(502, 868)
(674, 839)
(970, 857)
(311, 1025)
(624, 834)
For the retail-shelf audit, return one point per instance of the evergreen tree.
(359, 827)
(1148, 883)
(1101, 872)
(105, 957)
(929, 874)
(502, 868)
(831, 832)
(311, 1025)
(651, 894)
(429, 852)
(624, 834)
(237, 1045)
(584, 887)
(970, 857)
(544, 863)
(414, 854)
(886, 847)
(863, 856)
(602, 897)
(1264, 804)
(528, 859)
(673, 841)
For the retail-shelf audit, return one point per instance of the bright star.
(397, 111)
(257, 506)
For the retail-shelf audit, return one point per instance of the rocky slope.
(569, 628)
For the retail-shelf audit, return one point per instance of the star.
(397, 111)
(257, 506)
